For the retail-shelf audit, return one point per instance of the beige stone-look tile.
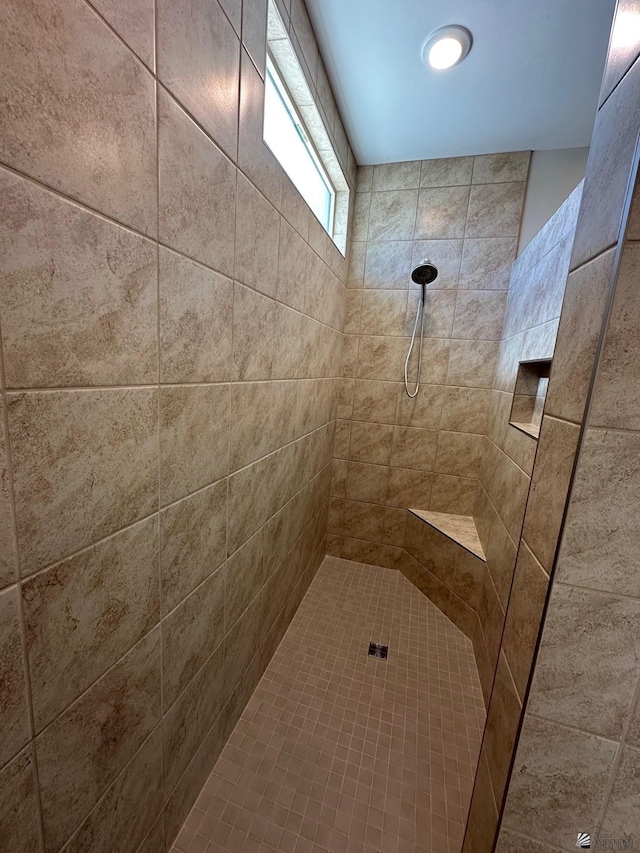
(190, 633)
(154, 840)
(423, 411)
(196, 44)
(435, 358)
(624, 46)
(409, 487)
(501, 168)
(19, 811)
(613, 144)
(361, 209)
(196, 309)
(293, 264)
(558, 782)
(482, 822)
(253, 333)
(294, 208)
(381, 358)
(459, 454)
(599, 547)
(254, 31)
(187, 722)
(456, 495)
(501, 553)
(345, 397)
(508, 487)
(383, 312)
(557, 447)
(586, 668)
(93, 136)
(446, 172)
(192, 542)
(83, 614)
(486, 263)
(357, 258)
(8, 555)
(257, 237)
(197, 197)
(367, 482)
(466, 410)
(621, 816)
(479, 315)
(264, 417)
(127, 810)
(442, 213)
(580, 325)
(134, 23)
(446, 255)
(392, 215)
(247, 572)
(363, 520)
(388, 265)
(335, 519)
(414, 448)
(472, 364)
(371, 443)
(494, 210)
(78, 294)
(254, 157)
(194, 438)
(361, 551)
(85, 465)
(14, 722)
(615, 399)
(511, 842)
(353, 312)
(440, 306)
(503, 719)
(524, 615)
(84, 749)
(394, 526)
(364, 181)
(396, 176)
(375, 401)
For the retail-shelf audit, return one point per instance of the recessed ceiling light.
(446, 47)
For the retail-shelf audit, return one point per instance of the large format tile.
(93, 136)
(479, 315)
(8, 555)
(134, 22)
(194, 438)
(472, 364)
(79, 294)
(197, 194)
(442, 213)
(486, 263)
(503, 719)
(388, 264)
(600, 544)
(193, 537)
(586, 668)
(197, 46)
(494, 210)
(19, 810)
(557, 783)
(257, 236)
(14, 723)
(253, 333)
(83, 614)
(621, 817)
(84, 749)
(446, 172)
(396, 176)
(624, 45)
(85, 465)
(446, 255)
(196, 309)
(392, 215)
(501, 168)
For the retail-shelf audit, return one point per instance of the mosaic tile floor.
(338, 752)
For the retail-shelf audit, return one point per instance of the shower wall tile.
(423, 411)
(384, 312)
(197, 196)
(375, 402)
(197, 44)
(66, 276)
(371, 443)
(505, 200)
(101, 100)
(472, 363)
(367, 482)
(446, 172)
(386, 264)
(392, 215)
(501, 168)
(486, 263)
(442, 213)
(414, 448)
(196, 306)
(396, 176)
(446, 255)
(118, 430)
(479, 315)
(502, 727)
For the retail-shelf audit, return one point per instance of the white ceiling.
(531, 80)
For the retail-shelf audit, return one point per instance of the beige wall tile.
(557, 783)
(501, 730)
(479, 315)
(83, 614)
(446, 255)
(483, 814)
(84, 749)
(367, 482)
(190, 633)
(127, 810)
(511, 842)
(423, 411)
(392, 215)
(14, 722)
(387, 264)
(254, 31)
(459, 454)
(79, 294)
(193, 542)
(8, 555)
(371, 443)
(246, 573)
(381, 358)
(293, 265)
(383, 312)
(501, 168)
(363, 521)
(100, 98)
(194, 438)
(414, 448)
(442, 213)
(621, 817)
(396, 176)
(439, 313)
(446, 172)
(494, 210)
(134, 23)
(466, 410)
(197, 195)
(375, 401)
(195, 44)
(472, 363)
(455, 495)
(624, 47)
(253, 333)
(409, 488)
(196, 309)
(67, 494)
(486, 263)
(257, 237)
(19, 812)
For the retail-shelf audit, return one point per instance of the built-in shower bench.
(460, 528)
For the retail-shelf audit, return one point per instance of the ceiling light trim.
(446, 47)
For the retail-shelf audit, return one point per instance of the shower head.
(424, 273)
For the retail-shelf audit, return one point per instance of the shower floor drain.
(378, 651)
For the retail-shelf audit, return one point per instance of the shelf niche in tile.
(529, 395)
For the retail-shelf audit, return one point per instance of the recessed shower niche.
(529, 395)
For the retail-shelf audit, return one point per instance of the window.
(285, 134)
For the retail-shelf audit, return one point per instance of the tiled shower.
(214, 491)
